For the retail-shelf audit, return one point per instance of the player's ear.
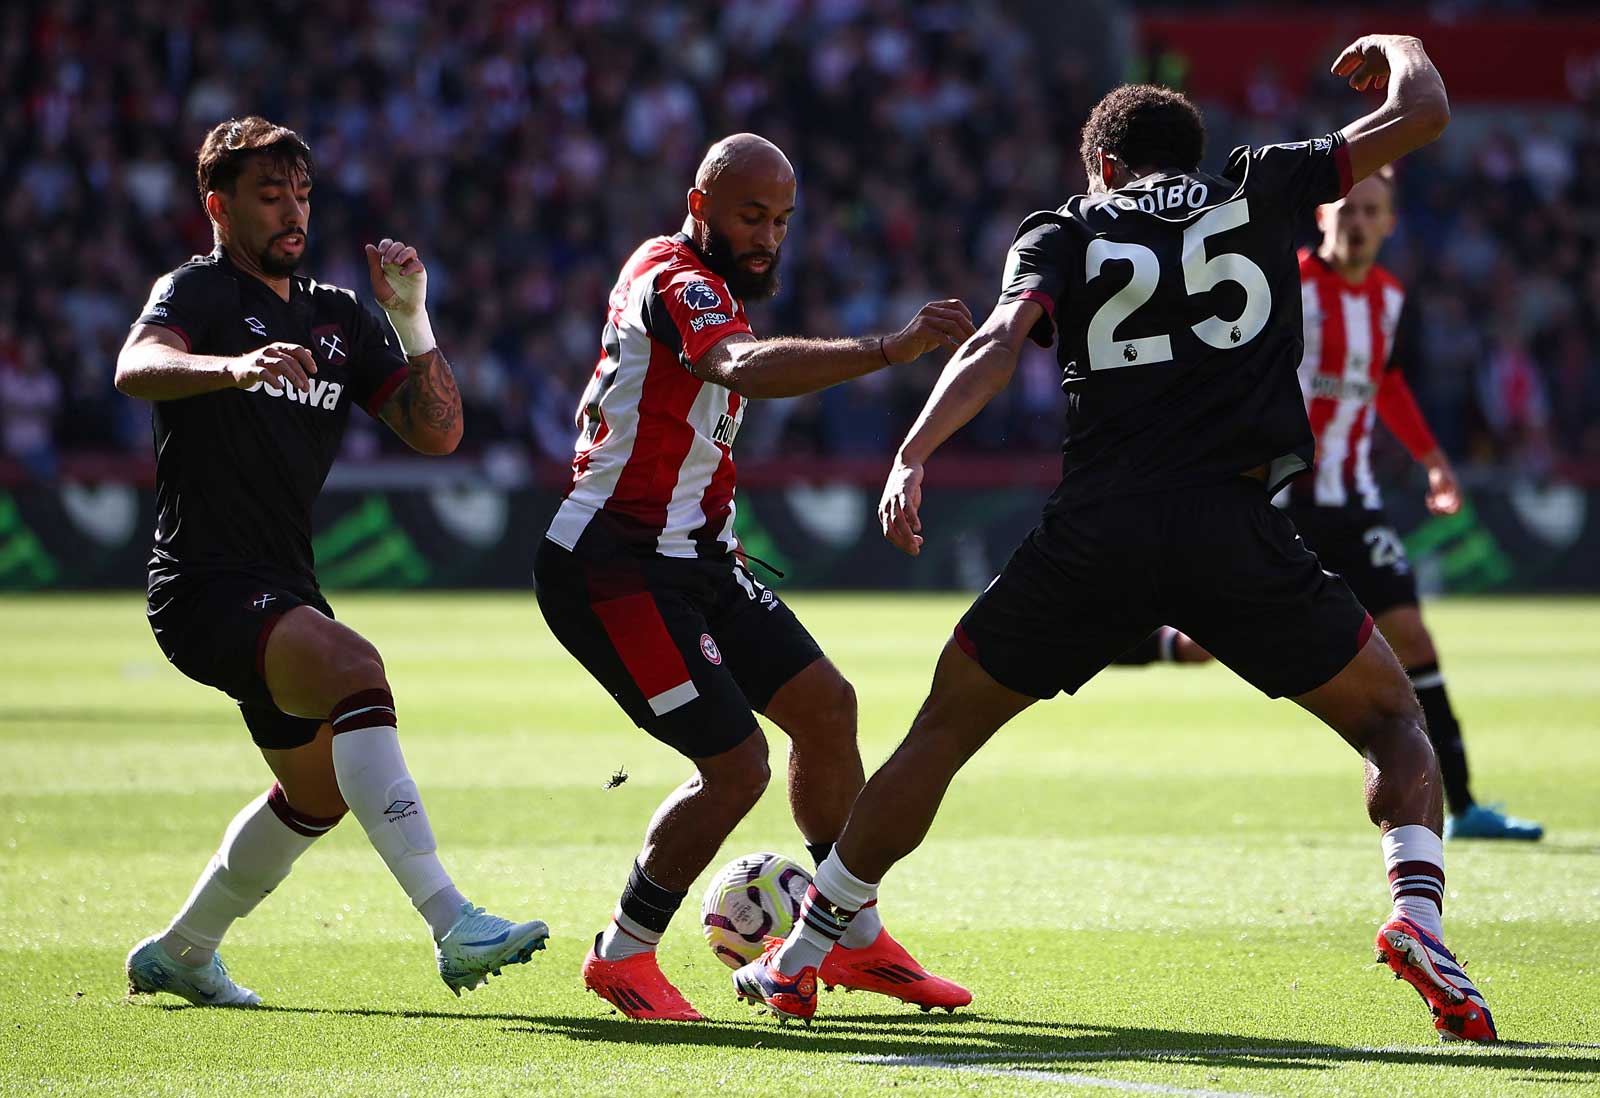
(697, 204)
(217, 208)
(1108, 167)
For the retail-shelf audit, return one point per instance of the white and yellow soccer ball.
(750, 899)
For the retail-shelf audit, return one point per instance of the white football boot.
(478, 944)
(152, 969)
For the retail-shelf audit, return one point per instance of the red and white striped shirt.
(654, 454)
(1347, 378)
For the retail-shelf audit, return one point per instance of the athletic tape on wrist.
(414, 332)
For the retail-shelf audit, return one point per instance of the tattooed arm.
(426, 409)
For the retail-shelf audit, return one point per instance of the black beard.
(743, 284)
(275, 266)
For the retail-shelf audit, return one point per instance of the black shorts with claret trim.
(1217, 561)
(213, 626)
(1363, 548)
(687, 648)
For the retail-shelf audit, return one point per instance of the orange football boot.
(1421, 960)
(886, 968)
(636, 986)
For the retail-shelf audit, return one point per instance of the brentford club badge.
(708, 648)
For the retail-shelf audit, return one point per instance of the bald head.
(739, 211)
(743, 156)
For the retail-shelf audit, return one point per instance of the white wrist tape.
(413, 331)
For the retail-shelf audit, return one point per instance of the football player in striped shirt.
(643, 580)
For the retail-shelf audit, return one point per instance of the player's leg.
(1403, 627)
(636, 625)
(265, 838)
(816, 709)
(315, 666)
(259, 847)
(1070, 599)
(1255, 595)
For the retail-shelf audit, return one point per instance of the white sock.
(258, 849)
(375, 783)
(1414, 857)
(834, 900)
(624, 938)
(864, 928)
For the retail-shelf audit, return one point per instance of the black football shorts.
(214, 628)
(1217, 561)
(688, 648)
(1363, 549)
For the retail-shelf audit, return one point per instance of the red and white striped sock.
(1414, 857)
(834, 900)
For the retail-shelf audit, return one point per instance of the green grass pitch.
(1166, 885)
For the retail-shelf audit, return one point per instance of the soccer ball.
(750, 899)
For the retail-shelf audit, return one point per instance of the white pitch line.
(1082, 1080)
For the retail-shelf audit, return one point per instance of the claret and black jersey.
(237, 470)
(1177, 300)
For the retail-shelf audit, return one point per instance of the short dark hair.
(1145, 126)
(229, 145)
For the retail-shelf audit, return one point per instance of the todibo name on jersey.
(322, 394)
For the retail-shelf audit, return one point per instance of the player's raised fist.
(1366, 60)
(399, 280)
(937, 324)
(277, 364)
(897, 510)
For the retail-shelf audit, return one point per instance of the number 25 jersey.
(1177, 304)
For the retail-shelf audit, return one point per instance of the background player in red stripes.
(642, 579)
(1351, 375)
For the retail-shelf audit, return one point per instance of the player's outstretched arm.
(980, 369)
(426, 408)
(786, 367)
(155, 364)
(1415, 112)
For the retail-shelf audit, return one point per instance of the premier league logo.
(700, 297)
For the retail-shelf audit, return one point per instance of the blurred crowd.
(527, 147)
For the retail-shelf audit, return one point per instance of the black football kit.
(1176, 301)
(237, 471)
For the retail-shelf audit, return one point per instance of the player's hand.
(1444, 494)
(1366, 61)
(937, 324)
(399, 280)
(897, 510)
(277, 364)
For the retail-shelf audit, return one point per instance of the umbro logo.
(399, 810)
(256, 325)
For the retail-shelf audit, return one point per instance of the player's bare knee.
(739, 776)
(358, 666)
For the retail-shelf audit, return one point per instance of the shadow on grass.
(896, 1039)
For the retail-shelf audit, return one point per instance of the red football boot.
(1421, 960)
(886, 967)
(637, 987)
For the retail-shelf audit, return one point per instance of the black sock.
(1146, 651)
(647, 903)
(819, 852)
(1445, 734)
